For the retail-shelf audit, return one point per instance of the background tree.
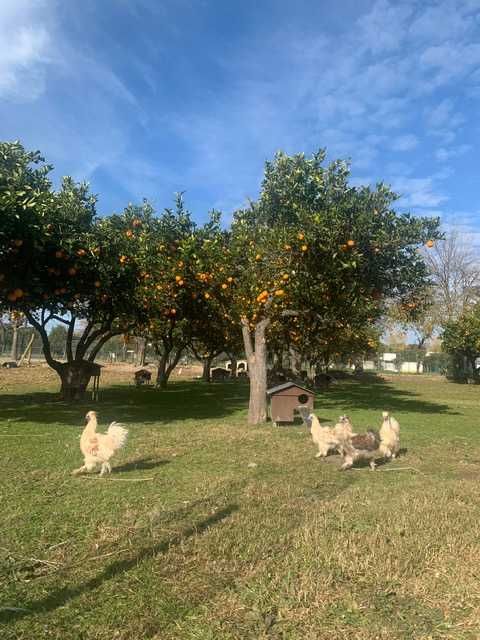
(57, 338)
(455, 274)
(421, 316)
(461, 339)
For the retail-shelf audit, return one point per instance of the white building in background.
(388, 362)
(411, 367)
(242, 365)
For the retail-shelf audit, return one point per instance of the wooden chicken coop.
(285, 400)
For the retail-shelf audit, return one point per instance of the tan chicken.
(98, 448)
(390, 436)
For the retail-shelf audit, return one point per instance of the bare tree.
(455, 270)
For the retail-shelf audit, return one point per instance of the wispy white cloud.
(404, 143)
(383, 28)
(370, 93)
(443, 154)
(26, 48)
(417, 192)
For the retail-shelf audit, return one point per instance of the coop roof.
(286, 385)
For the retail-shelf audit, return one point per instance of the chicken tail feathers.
(118, 434)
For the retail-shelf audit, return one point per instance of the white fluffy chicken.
(327, 439)
(389, 436)
(98, 448)
(323, 437)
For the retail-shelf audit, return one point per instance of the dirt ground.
(39, 373)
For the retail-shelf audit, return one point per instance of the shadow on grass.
(139, 465)
(197, 400)
(180, 401)
(61, 597)
(370, 391)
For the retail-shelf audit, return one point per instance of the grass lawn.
(187, 539)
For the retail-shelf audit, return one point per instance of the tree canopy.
(311, 264)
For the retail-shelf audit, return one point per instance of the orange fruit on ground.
(279, 292)
(350, 243)
(173, 312)
(180, 283)
(301, 236)
(304, 247)
(287, 247)
(123, 259)
(230, 279)
(224, 286)
(285, 276)
(258, 257)
(430, 243)
(206, 296)
(97, 283)
(178, 278)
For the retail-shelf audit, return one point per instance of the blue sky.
(144, 98)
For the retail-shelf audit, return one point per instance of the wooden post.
(27, 354)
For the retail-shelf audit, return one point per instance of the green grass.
(185, 540)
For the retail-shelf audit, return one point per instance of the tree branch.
(94, 352)
(58, 319)
(71, 329)
(83, 337)
(44, 337)
(247, 339)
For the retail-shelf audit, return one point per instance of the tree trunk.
(142, 343)
(75, 377)
(257, 367)
(14, 350)
(162, 379)
(233, 367)
(207, 364)
(295, 360)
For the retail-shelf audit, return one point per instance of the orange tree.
(167, 287)
(180, 291)
(60, 263)
(317, 249)
(213, 330)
